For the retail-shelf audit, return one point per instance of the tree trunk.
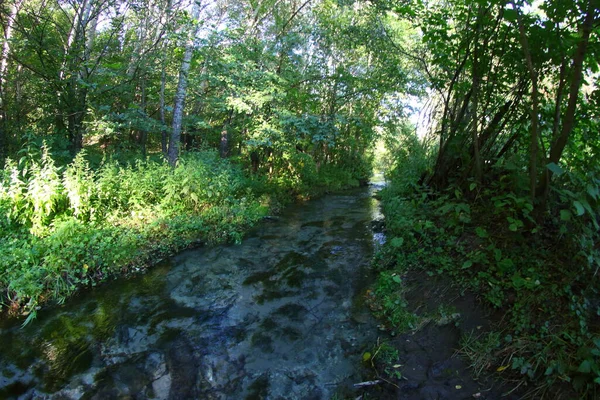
(476, 85)
(163, 81)
(14, 10)
(174, 140)
(12, 15)
(224, 145)
(534, 113)
(561, 141)
(76, 53)
(143, 134)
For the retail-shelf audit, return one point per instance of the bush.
(540, 270)
(62, 230)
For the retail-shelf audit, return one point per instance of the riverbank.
(278, 316)
(74, 227)
(537, 334)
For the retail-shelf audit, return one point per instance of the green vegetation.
(130, 130)
(73, 226)
(162, 124)
(502, 195)
(538, 270)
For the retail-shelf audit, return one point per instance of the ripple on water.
(270, 318)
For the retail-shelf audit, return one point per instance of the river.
(279, 316)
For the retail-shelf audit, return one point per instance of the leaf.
(481, 232)
(397, 279)
(593, 191)
(585, 367)
(397, 242)
(555, 169)
(549, 371)
(579, 207)
(513, 227)
(472, 186)
(565, 215)
(588, 208)
(510, 14)
(467, 264)
(366, 356)
(502, 368)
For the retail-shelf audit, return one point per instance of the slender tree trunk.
(12, 15)
(180, 94)
(76, 54)
(143, 131)
(163, 81)
(558, 146)
(534, 113)
(476, 85)
(224, 145)
(559, 99)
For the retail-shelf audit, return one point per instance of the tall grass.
(64, 227)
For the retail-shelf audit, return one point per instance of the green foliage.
(388, 303)
(79, 185)
(539, 270)
(65, 230)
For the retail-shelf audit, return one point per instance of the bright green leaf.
(481, 232)
(579, 207)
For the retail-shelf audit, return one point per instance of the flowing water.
(279, 316)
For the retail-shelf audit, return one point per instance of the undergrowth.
(540, 270)
(66, 227)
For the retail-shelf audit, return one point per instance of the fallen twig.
(367, 383)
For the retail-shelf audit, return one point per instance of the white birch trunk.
(12, 15)
(14, 10)
(180, 94)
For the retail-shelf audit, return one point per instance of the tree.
(8, 31)
(180, 94)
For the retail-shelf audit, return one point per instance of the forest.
(133, 129)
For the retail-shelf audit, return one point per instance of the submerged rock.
(271, 318)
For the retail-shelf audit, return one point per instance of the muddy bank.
(425, 363)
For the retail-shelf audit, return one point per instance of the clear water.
(279, 316)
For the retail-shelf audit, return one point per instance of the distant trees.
(272, 82)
